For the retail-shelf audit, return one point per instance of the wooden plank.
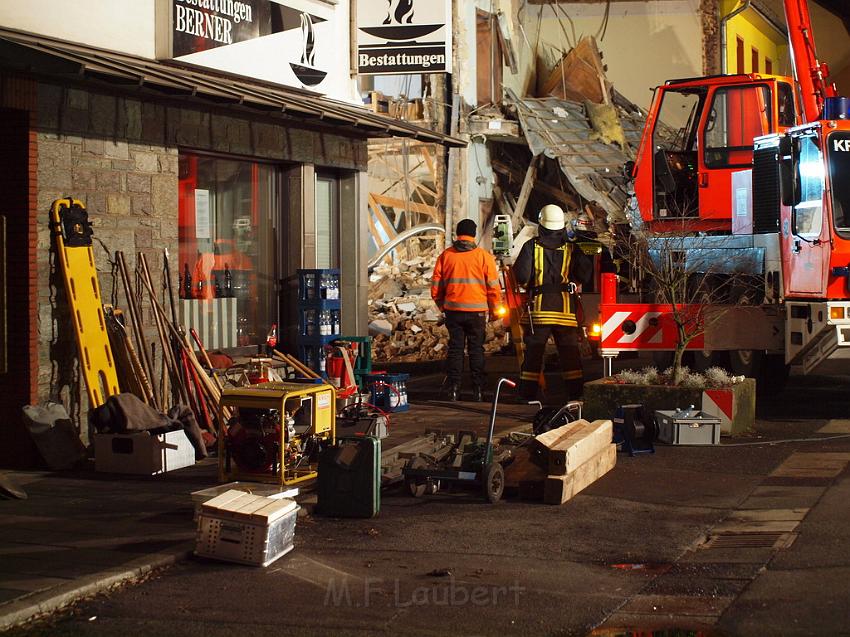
(392, 202)
(525, 191)
(559, 489)
(566, 198)
(567, 448)
(525, 467)
(579, 75)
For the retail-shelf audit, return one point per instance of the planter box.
(735, 405)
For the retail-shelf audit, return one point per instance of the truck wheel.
(493, 482)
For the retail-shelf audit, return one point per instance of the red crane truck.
(757, 166)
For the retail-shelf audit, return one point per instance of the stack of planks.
(558, 464)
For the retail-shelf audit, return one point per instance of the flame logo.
(403, 12)
(308, 55)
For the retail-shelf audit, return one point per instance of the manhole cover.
(749, 541)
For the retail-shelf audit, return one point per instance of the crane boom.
(810, 73)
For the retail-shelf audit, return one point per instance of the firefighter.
(466, 289)
(550, 267)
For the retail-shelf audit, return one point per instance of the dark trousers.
(566, 340)
(466, 329)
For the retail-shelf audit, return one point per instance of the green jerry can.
(350, 478)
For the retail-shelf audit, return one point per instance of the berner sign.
(403, 36)
(200, 25)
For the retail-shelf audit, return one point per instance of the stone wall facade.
(118, 154)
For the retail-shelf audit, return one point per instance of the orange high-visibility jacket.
(466, 279)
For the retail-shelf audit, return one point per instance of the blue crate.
(314, 286)
(310, 321)
(382, 396)
(311, 351)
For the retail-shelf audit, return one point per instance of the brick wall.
(18, 185)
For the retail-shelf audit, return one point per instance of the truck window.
(838, 146)
(787, 112)
(808, 217)
(676, 127)
(737, 115)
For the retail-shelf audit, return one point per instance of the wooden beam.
(525, 191)
(400, 205)
(560, 195)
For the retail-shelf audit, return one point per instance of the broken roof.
(560, 130)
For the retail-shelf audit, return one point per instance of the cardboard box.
(141, 453)
(687, 427)
(245, 528)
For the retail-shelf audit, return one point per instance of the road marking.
(838, 426)
(812, 465)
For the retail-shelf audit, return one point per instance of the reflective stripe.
(472, 307)
(493, 284)
(464, 281)
(575, 374)
(529, 376)
(538, 274)
(565, 275)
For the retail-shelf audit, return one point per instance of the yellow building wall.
(756, 33)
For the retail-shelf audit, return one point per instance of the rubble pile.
(406, 325)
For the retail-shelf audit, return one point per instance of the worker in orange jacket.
(466, 288)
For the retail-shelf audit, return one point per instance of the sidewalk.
(79, 533)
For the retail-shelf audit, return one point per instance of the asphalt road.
(627, 553)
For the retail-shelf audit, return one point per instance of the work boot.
(477, 394)
(454, 393)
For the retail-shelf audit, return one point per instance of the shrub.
(713, 378)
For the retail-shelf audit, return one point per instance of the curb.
(58, 597)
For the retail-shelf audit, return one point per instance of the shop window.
(228, 213)
(737, 116)
(489, 59)
(327, 222)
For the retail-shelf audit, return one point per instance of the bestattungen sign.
(403, 36)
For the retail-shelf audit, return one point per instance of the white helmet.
(551, 217)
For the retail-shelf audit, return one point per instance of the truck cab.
(698, 133)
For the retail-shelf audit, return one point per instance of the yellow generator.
(276, 431)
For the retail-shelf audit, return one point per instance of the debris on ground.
(406, 324)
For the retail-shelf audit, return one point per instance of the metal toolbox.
(687, 427)
(245, 528)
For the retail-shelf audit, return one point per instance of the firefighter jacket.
(546, 265)
(466, 279)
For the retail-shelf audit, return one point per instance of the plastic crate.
(247, 529)
(388, 392)
(315, 286)
(310, 321)
(311, 351)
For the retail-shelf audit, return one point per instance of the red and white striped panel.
(647, 327)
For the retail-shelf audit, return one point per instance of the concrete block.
(137, 183)
(164, 195)
(116, 149)
(146, 162)
(108, 181)
(118, 203)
